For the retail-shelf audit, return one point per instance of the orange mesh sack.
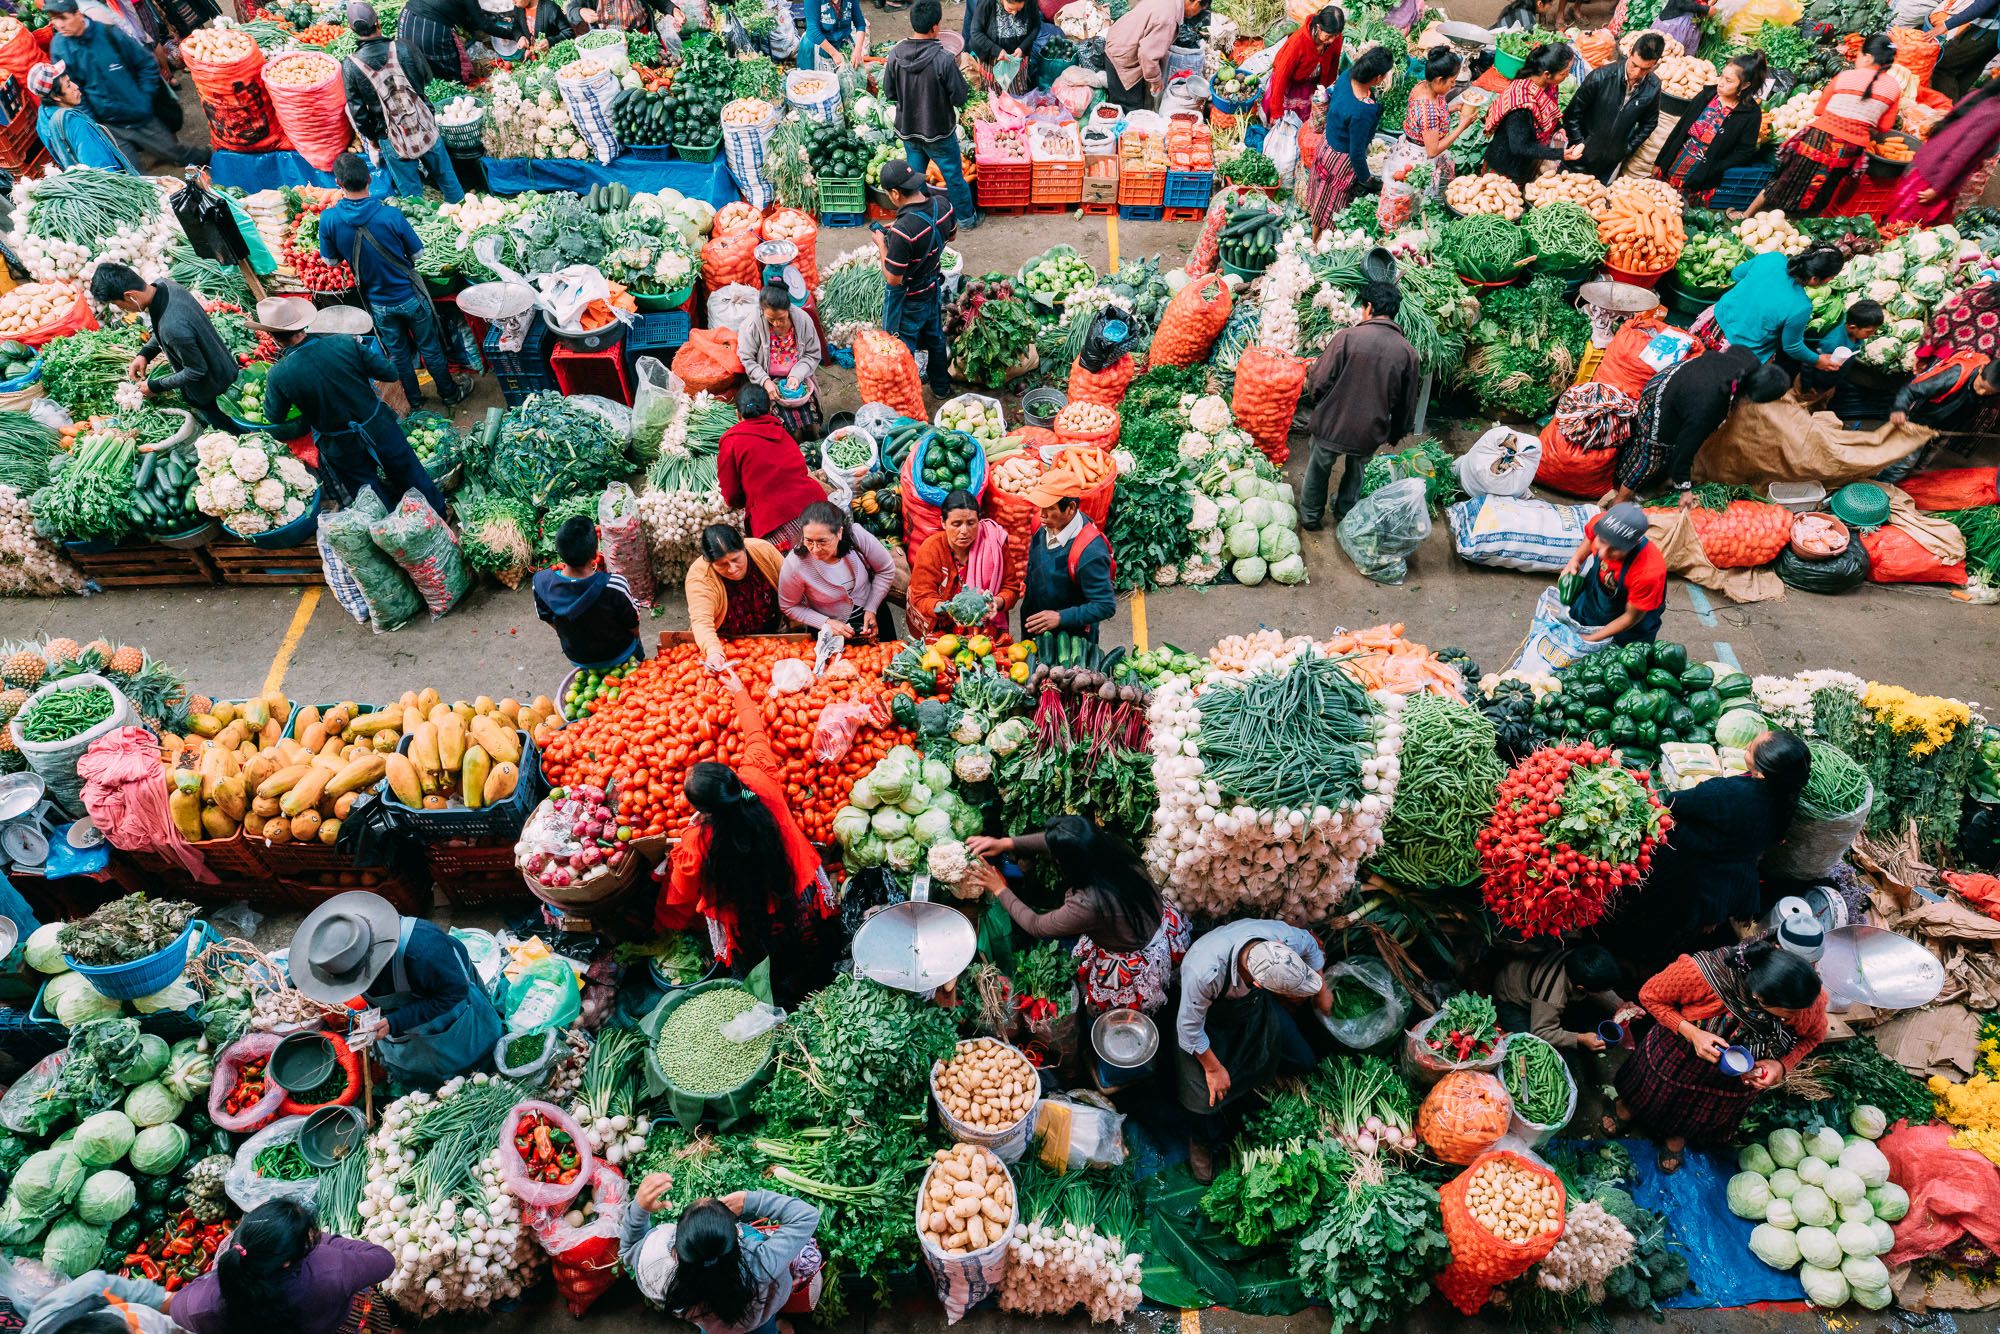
(802, 230)
(1007, 507)
(731, 258)
(1087, 424)
(1894, 557)
(238, 106)
(1268, 385)
(18, 55)
(1952, 488)
(1106, 387)
(1100, 478)
(74, 319)
(921, 518)
(1191, 323)
(885, 371)
(708, 360)
(310, 102)
(1464, 1115)
(1481, 1258)
(1642, 348)
(1747, 534)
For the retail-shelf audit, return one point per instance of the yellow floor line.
(293, 634)
(1139, 620)
(1111, 235)
(1190, 1320)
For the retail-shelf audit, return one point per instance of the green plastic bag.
(545, 995)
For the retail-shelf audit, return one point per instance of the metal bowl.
(1879, 969)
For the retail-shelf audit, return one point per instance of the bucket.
(1183, 60)
(1126, 1043)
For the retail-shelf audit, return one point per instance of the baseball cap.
(59, 7)
(901, 176)
(1053, 485)
(1277, 967)
(361, 14)
(1623, 527)
(42, 78)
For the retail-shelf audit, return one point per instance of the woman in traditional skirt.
(1750, 995)
(279, 1271)
(1524, 120)
(1130, 940)
(1954, 163)
(1854, 109)
(1340, 169)
(1429, 131)
(1718, 131)
(1679, 409)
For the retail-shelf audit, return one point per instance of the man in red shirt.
(1624, 579)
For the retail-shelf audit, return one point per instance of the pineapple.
(11, 700)
(100, 648)
(126, 661)
(201, 704)
(61, 651)
(24, 668)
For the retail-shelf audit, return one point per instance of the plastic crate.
(836, 221)
(1740, 185)
(1859, 197)
(476, 875)
(1056, 183)
(602, 373)
(698, 152)
(516, 388)
(501, 820)
(1141, 212)
(1005, 185)
(1188, 189)
(1142, 187)
(649, 152)
(26, 1040)
(657, 335)
(531, 359)
(843, 195)
(292, 723)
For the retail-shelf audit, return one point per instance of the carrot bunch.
(1641, 233)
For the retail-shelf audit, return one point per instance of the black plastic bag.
(1101, 350)
(1979, 835)
(1090, 54)
(1835, 574)
(210, 226)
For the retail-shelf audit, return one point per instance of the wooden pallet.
(149, 564)
(241, 563)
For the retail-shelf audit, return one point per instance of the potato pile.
(32, 305)
(987, 1085)
(1578, 187)
(1485, 194)
(1016, 474)
(966, 1202)
(1674, 48)
(1513, 1203)
(1686, 76)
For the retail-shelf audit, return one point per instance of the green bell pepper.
(1670, 657)
(1597, 716)
(1646, 732)
(1624, 727)
(1706, 705)
(1600, 738)
(1682, 720)
(1596, 692)
(1697, 677)
(1659, 678)
(1615, 676)
(1637, 658)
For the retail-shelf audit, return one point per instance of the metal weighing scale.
(34, 836)
(781, 267)
(915, 946)
(1870, 966)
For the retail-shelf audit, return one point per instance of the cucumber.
(144, 477)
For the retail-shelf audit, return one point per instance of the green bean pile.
(1535, 1078)
(1836, 785)
(693, 1054)
(62, 714)
(25, 446)
(1563, 235)
(1484, 247)
(1450, 777)
(284, 1162)
(1294, 739)
(85, 204)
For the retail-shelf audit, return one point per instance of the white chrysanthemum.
(270, 494)
(249, 463)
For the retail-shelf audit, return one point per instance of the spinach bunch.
(1378, 1241)
(1269, 1194)
(1149, 525)
(856, 1049)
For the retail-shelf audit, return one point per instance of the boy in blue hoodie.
(592, 610)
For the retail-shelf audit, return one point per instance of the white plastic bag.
(759, 1018)
(842, 483)
(964, 1281)
(1281, 145)
(589, 103)
(250, 1190)
(789, 676)
(1500, 463)
(1554, 640)
(1365, 1031)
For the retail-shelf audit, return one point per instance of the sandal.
(1611, 1125)
(1670, 1162)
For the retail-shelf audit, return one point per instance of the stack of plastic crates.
(1005, 183)
(842, 203)
(525, 371)
(1187, 193)
(658, 336)
(1739, 186)
(1142, 191)
(1056, 160)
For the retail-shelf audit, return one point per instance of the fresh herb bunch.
(1149, 525)
(1158, 391)
(1045, 973)
(1426, 459)
(1523, 351)
(1249, 167)
(1376, 1244)
(1826, 1087)
(860, 1173)
(856, 1049)
(125, 929)
(1269, 1194)
(549, 451)
(1784, 46)
(990, 347)
(1294, 738)
(82, 370)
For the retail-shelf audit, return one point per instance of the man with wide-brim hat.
(427, 1017)
(328, 375)
(1070, 564)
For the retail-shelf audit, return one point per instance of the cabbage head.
(176, 995)
(106, 1197)
(863, 793)
(1781, 1214)
(1813, 1207)
(1819, 1246)
(1289, 570)
(104, 1138)
(1257, 511)
(1856, 1239)
(1858, 1212)
(1276, 543)
(1241, 542)
(48, 1181)
(1283, 515)
(158, 1150)
(937, 775)
(917, 800)
(1281, 493)
(1825, 1143)
(1250, 571)
(1755, 1158)
(931, 826)
(850, 825)
(1812, 1170)
(74, 1002)
(1824, 1287)
(894, 776)
(19, 1225)
(1864, 1271)
(1885, 1236)
(890, 823)
(1749, 1195)
(1774, 1246)
(1785, 1183)
(1891, 1201)
(1867, 1162)
(870, 851)
(1872, 1299)
(966, 821)
(1247, 484)
(1844, 1186)
(43, 952)
(74, 1247)
(152, 1104)
(190, 1070)
(1787, 1146)
(1868, 1122)
(903, 853)
(1738, 728)
(148, 1059)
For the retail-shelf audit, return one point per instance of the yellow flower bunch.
(1936, 717)
(1974, 1107)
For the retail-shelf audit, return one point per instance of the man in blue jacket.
(66, 129)
(119, 80)
(1070, 566)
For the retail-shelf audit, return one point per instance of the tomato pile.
(1571, 829)
(249, 1090)
(671, 714)
(302, 249)
(546, 1150)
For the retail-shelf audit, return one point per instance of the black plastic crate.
(515, 388)
(531, 360)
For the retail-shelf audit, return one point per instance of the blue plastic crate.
(531, 359)
(514, 397)
(1740, 185)
(843, 220)
(503, 819)
(649, 152)
(1141, 212)
(518, 387)
(27, 1039)
(1188, 189)
(657, 334)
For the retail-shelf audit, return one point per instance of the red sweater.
(760, 469)
(1679, 991)
(1299, 61)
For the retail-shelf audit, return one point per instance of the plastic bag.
(75, 320)
(55, 761)
(1835, 574)
(839, 723)
(1522, 1131)
(885, 371)
(1281, 145)
(1500, 463)
(1894, 557)
(1381, 531)
(613, 416)
(514, 1169)
(1424, 1067)
(1101, 350)
(1953, 488)
(1011, 1141)
(790, 675)
(963, 1281)
(1642, 348)
(391, 600)
(31, 1105)
(843, 482)
(424, 545)
(1574, 468)
(733, 307)
(1554, 640)
(248, 1189)
(536, 1066)
(624, 541)
(708, 361)
(1190, 323)
(585, 1258)
(758, 1019)
(1364, 1031)
(1480, 1260)
(1464, 1115)
(311, 106)
(1517, 534)
(544, 995)
(1075, 1132)
(249, 1047)
(654, 405)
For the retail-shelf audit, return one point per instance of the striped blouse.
(1858, 105)
(1426, 115)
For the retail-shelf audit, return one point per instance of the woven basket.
(464, 138)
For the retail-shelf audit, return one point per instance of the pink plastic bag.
(514, 1171)
(624, 542)
(839, 723)
(239, 1053)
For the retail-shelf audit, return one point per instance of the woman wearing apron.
(1429, 131)
(428, 1018)
(1624, 586)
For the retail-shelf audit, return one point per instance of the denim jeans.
(406, 175)
(919, 322)
(950, 166)
(411, 319)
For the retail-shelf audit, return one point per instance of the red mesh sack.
(18, 55)
(731, 258)
(1642, 348)
(708, 360)
(1894, 557)
(76, 319)
(1747, 534)
(311, 105)
(1191, 323)
(1953, 488)
(1016, 514)
(350, 1065)
(1268, 385)
(1106, 387)
(238, 106)
(1572, 471)
(1463, 1115)
(802, 230)
(1480, 1259)
(885, 371)
(921, 518)
(1100, 475)
(1953, 1192)
(585, 1258)
(1087, 424)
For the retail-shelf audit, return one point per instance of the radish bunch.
(1052, 1270)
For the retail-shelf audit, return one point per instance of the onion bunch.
(1052, 1269)
(1592, 1247)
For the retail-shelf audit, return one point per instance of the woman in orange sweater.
(1752, 995)
(747, 869)
(1856, 106)
(968, 552)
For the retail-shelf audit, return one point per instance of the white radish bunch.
(1592, 1247)
(673, 522)
(1289, 278)
(1052, 1270)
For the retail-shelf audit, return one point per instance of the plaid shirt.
(916, 239)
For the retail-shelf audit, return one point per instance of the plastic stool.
(602, 373)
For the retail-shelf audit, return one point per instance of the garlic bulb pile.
(1053, 1270)
(463, 1255)
(28, 565)
(1288, 279)
(1228, 859)
(674, 520)
(1593, 1245)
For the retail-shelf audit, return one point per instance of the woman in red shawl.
(747, 869)
(968, 552)
(1306, 63)
(1525, 119)
(1955, 161)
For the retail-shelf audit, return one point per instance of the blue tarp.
(252, 172)
(697, 180)
(1715, 1241)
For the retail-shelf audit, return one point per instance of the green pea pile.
(693, 1054)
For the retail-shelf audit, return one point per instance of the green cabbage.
(74, 1247)
(1774, 1246)
(1755, 1158)
(74, 1002)
(1250, 571)
(158, 1150)
(1825, 1143)
(1749, 1195)
(1738, 728)
(931, 826)
(106, 1197)
(850, 825)
(148, 1059)
(1864, 1271)
(1813, 1170)
(1872, 1299)
(1781, 1214)
(176, 995)
(1885, 1236)
(863, 795)
(1276, 543)
(870, 851)
(1819, 1246)
(1241, 541)
(966, 821)
(1824, 1287)
(43, 952)
(1247, 484)
(903, 853)
(1860, 1211)
(1290, 570)
(49, 1180)
(889, 823)
(1867, 1162)
(1785, 1183)
(1283, 515)
(894, 776)
(1257, 512)
(1787, 1146)
(1856, 1239)
(1891, 1201)
(1844, 1186)
(937, 775)
(104, 1138)
(1813, 1208)
(152, 1104)
(19, 1224)
(1868, 1122)
(190, 1070)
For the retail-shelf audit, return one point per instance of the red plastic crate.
(1861, 196)
(1005, 185)
(1142, 187)
(1057, 183)
(476, 875)
(601, 373)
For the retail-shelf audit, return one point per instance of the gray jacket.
(753, 349)
(767, 1258)
(1208, 973)
(204, 367)
(96, 1290)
